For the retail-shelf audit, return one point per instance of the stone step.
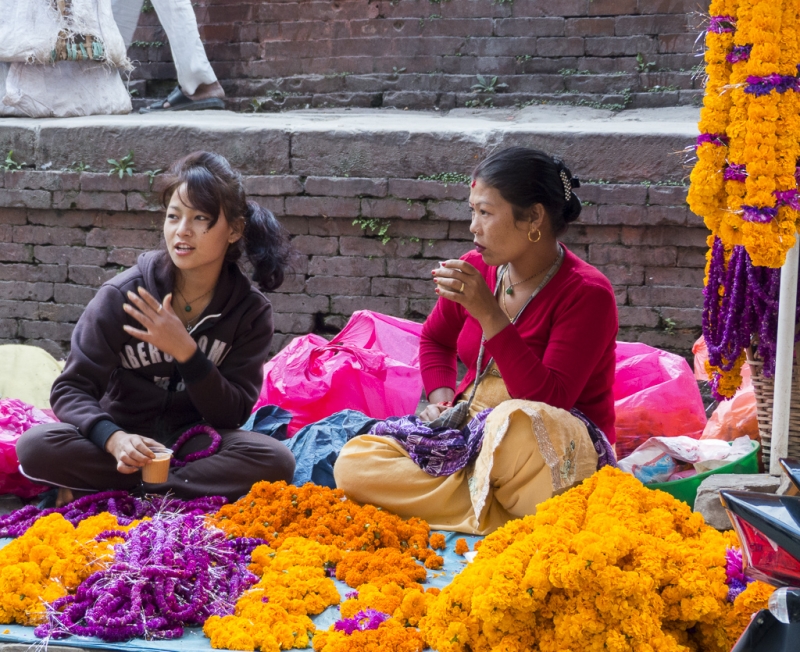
(442, 91)
(628, 146)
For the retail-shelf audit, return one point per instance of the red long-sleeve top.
(560, 351)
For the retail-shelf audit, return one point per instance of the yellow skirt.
(531, 452)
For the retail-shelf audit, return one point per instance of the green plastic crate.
(686, 489)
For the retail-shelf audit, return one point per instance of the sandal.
(179, 102)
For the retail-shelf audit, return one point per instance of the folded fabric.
(437, 451)
(316, 446)
(270, 420)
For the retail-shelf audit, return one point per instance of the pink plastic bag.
(15, 418)
(371, 366)
(655, 395)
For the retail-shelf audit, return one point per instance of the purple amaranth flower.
(364, 620)
(351, 595)
(736, 580)
(722, 24)
(739, 53)
(759, 86)
(171, 572)
(740, 303)
(735, 172)
(760, 214)
(788, 198)
(714, 139)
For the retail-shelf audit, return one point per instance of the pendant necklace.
(550, 274)
(188, 306)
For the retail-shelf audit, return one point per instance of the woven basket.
(765, 392)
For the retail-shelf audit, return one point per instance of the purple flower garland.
(739, 53)
(760, 86)
(171, 572)
(736, 580)
(124, 506)
(740, 301)
(722, 24)
(735, 172)
(216, 440)
(361, 622)
(714, 139)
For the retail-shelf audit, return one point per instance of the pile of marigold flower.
(49, 561)
(314, 533)
(608, 565)
(276, 511)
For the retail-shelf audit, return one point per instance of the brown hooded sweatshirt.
(114, 381)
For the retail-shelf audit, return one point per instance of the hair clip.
(567, 184)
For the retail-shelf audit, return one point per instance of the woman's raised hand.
(163, 328)
(457, 280)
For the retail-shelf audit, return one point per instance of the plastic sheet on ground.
(193, 639)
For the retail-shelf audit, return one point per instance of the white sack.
(66, 89)
(29, 29)
(6, 110)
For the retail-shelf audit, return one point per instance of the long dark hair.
(525, 177)
(213, 186)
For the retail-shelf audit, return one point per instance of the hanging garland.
(744, 183)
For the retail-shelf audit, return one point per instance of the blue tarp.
(193, 639)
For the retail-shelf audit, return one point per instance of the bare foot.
(64, 496)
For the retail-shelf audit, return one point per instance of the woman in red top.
(547, 324)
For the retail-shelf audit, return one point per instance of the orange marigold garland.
(384, 566)
(744, 184)
(274, 614)
(276, 511)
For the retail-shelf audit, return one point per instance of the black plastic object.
(765, 633)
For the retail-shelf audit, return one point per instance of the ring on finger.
(160, 306)
(463, 285)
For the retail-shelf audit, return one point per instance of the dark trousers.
(57, 454)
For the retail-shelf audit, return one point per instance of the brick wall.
(282, 54)
(62, 234)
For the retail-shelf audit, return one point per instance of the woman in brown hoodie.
(179, 339)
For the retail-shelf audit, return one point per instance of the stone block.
(708, 502)
(273, 185)
(99, 182)
(346, 266)
(392, 208)
(11, 197)
(322, 206)
(94, 141)
(315, 245)
(346, 187)
(421, 189)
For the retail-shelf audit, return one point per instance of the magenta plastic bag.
(371, 366)
(655, 395)
(15, 418)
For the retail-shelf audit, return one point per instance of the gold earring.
(538, 234)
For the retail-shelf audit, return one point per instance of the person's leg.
(126, 16)
(520, 476)
(377, 470)
(195, 75)
(243, 459)
(57, 454)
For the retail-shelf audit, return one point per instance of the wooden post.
(784, 359)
